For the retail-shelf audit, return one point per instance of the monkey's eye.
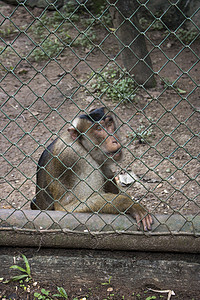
(98, 128)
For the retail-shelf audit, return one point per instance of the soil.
(99, 291)
(39, 99)
(38, 102)
(105, 286)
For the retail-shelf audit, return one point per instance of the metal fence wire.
(140, 59)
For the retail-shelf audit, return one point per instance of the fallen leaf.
(181, 91)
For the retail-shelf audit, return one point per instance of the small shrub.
(8, 30)
(50, 48)
(142, 134)
(113, 82)
(186, 36)
(85, 39)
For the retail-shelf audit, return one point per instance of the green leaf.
(181, 91)
(43, 291)
(62, 292)
(18, 277)
(18, 268)
(28, 269)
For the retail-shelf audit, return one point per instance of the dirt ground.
(105, 284)
(38, 102)
(75, 291)
(39, 99)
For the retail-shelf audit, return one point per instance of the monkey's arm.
(111, 204)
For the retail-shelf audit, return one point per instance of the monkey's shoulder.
(57, 149)
(66, 152)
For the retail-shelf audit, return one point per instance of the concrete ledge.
(28, 228)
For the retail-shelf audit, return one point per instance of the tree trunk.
(132, 44)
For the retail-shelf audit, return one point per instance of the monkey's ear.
(73, 133)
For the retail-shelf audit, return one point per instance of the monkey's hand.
(142, 216)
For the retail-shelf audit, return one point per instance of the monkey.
(74, 172)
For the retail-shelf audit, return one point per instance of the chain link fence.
(140, 59)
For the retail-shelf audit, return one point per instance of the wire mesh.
(57, 64)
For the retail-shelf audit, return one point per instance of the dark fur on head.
(95, 116)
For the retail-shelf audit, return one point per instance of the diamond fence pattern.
(59, 62)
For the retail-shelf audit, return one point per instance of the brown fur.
(74, 172)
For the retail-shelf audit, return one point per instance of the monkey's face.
(102, 140)
(96, 132)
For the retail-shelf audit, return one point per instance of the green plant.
(186, 36)
(153, 24)
(107, 283)
(58, 23)
(27, 271)
(50, 48)
(62, 293)
(113, 82)
(52, 23)
(104, 16)
(8, 30)
(142, 134)
(85, 39)
(44, 295)
(169, 84)
(157, 25)
(70, 12)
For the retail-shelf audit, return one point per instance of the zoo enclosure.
(37, 106)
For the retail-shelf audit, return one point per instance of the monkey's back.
(66, 173)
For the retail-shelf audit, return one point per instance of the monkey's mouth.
(114, 154)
